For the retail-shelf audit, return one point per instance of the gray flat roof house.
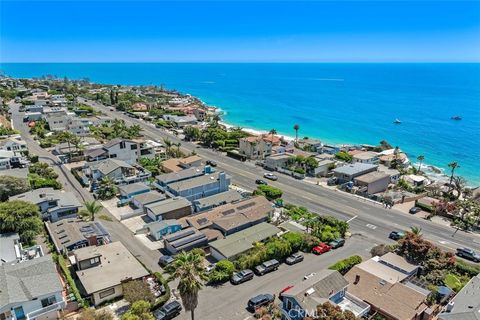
(127, 191)
(350, 171)
(71, 234)
(216, 200)
(102, 270)
(373, 182)
(53, 204)
(30, 289)
(173, 208)
(466, 304)
(8, 247)
(144, 199)
(236, 244)
(184, 240)
(200, 187)
(167, 178)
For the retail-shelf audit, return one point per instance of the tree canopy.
(22, 217)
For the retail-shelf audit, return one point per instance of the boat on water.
(456, 118)
(396, 121)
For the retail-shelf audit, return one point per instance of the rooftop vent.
(309, 292)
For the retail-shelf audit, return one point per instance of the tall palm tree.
(452, 165)
(420, 159)
(272, 133)
(92, 208)
(296, 127)
(168, 146)
(189, 270)
(416, 231)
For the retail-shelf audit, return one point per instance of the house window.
(113, 155)
(94, 260)
(106, 293)
(133, 147)
(48, 301)
(122, 145)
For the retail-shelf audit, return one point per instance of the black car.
(168, 311)
(241, 276)
(396, 235)
(294, 258)
(259, 301)
(414, 210)
(260, 181)
(266, 267)
(211, 163)
(468, 254)
(165, 260)
(337, 243)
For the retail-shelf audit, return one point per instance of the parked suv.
(241, 276)
(165, 260)
(337, 243)
(294, 258)
(266, 267)
(259, 301)
(168, 311)
(468, 254)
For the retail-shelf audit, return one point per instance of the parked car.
(396, 235)
(168, 311)
(321, 248)
(260, 181)
(266, 267)
(468, 254)
(280, 295)
(165, 261)
(414, 210)
(337, 243)
(294, 258)
(259, 301)
(270, 176)
(212, 163)
(241, 276)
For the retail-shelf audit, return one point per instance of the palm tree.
(453, 165)
(189, 270)
(92, 208)
(296, 127)
(168, 146)
(272, 133)
(416, 231)
(420, 159)
(107, 188)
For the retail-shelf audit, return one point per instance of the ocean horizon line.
(241, 62)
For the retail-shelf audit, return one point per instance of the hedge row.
(163, 299)
(343, 266)
(68, 276)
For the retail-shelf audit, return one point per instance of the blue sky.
(229, 31)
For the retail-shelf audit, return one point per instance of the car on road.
(321, 248)
(211, 163)
(266, 267)
(468, 254)
(308, 276)
(270, 176)
(165, 260)
(259, 301)
(337, 243)
(168, 311)
(294, 258)
(260, 181)
(280, 295)
(414, 210)
(396, 235)
(241, 276)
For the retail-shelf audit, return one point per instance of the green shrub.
(68, 276)
(222, 272)
(343, 266)
(344, 156)
(465, 268)
(271, 193)
(164, 298)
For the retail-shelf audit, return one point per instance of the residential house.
(373, 182)
(348, 172)
(330, 149)
(324, 167)
(32, 116)
(165, 179)
(276, 161)
(71, 234)
(173, 208)
(130, 151)
(53, 204)
(31, 290)
(6, 158)
(57, 121)
(119, 171)
(200, 114)
(312, 145)
(14, 143)
(466, 304)
(177, 164)
(139, 107)
(416, 180)
(393, 173)
(181, 121)
(238, 243)
(128, 191)
(369, 157)
(79, 126)
(255, 147)
(162, 228)
(184, 240)
(302, 299)
(103, 269)
(12, 251)
(200, 187)
(216, 200)
(142, 200)
(387, 157)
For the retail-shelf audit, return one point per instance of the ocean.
(334, 102)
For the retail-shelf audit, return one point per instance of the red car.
(280, 295)
(321, 248)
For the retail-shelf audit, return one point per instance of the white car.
(270, 176)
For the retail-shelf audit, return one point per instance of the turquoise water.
(339, 103)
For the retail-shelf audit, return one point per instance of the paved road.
(365, 218)
(117, 230)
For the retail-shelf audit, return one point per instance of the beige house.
(255, 147)
(102, 270)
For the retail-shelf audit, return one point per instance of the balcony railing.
(56, 306)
